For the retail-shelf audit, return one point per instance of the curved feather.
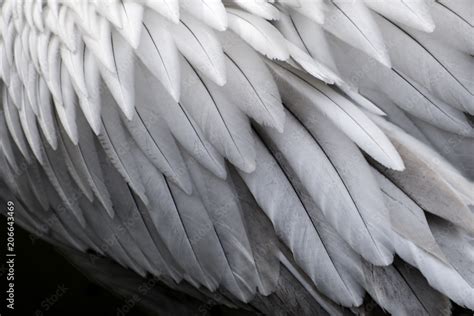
(451, 27)
(301, 150)
(120, 79)
(179, 121)
(250, 85)
(413, 13)
(211, 12)
(159, 54)
(258, 33)
(433, 75)
(341, 111)
(353, 23)
(420, 175)
(200, 46)
(226, 127)
(296, 226)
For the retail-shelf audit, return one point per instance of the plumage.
(277, 157)
(158, 52)
(199, 45)
(416, 154)
(260, 34)
(343, 113)
(353, 23)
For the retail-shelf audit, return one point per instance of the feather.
(178, 120)
(119, 243)
(226, 127)
(14, 126)
(258, 33)
(407, 218)
(66, 28)
(292, 297)
(462, 8)
(357, 97)
(54, 70)
(298, 229)
(364, 234)
(312, 38)
(75, 174)
(462, 186)
(66, 106)
(414, 13)
(445, 87)
(155, 140)
(91, 104)
(311, 66)
(363, 190)
(159, 54)
(396, 115)
(457, 149)
(131, 17)
(250, 85)
(110, 10)
(211, 12)
(224, 209)
(172, 268)
(99, 42)
(45, 116)
(173, 220)
(30, 128)
(120, 80)
(401, 290)
(262, 9)
(341, 111)
(37, 19)
(440, 276)
(33, 41)
(58, 176)
(5, 65)
(85, 160)
(314, 10)
(353, 23)
(167, 8)
(118, 144)
(42, 50)
(228, 165)
(37, 182)
(6, 145)
(459, 257)
(262, 237)
(73, 61)
(459, 64)
(200, 46)
(451, 27)
(129, 220)
(421, 173)
(400, 89)
(290, 268)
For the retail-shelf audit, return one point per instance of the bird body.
(287, 157)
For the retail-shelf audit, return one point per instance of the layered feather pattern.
(279, 156)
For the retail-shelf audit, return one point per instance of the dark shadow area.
(47, 284)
